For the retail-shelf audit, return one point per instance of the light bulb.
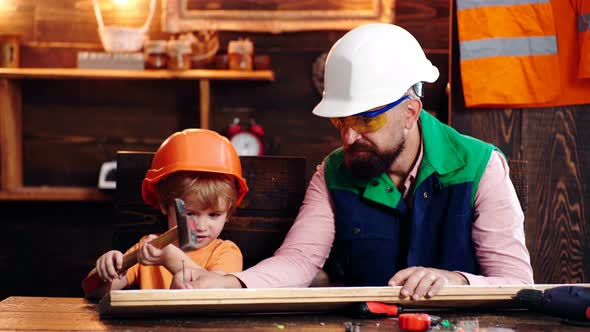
(7, 6)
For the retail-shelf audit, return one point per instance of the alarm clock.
(246, 142)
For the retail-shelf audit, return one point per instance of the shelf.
(11, 152)
(75, 73)
(55, 194)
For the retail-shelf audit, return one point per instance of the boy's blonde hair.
(200, 190)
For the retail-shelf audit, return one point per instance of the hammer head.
(187, 232)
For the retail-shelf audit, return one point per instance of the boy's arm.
(171, 257)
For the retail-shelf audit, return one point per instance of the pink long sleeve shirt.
(497, 233)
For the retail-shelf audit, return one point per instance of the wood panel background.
(552, 140)
(71, 127)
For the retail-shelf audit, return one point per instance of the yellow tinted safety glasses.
(367, 122)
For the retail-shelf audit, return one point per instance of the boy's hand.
(108, 264)
(150, 255)
(203, 279)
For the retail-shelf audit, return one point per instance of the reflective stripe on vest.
(482, 48)
(465, 4)
(508, 52)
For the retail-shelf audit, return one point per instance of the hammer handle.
(93, 281)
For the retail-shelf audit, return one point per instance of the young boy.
(203, 169)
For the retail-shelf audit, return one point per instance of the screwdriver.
(372, 309)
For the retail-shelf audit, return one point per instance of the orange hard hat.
(198, 150)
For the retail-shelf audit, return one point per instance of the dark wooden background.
(70, 127)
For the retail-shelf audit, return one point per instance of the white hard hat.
(371, 66)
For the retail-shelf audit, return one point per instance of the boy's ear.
(163, 209)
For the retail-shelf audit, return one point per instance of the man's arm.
(296, 262)
(497, 235)
(306, 246)
(498, 232)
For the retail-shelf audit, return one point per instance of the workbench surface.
(77, 314)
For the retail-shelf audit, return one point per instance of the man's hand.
(426, 282)
(191, 278)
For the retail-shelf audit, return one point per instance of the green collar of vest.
(440, 156)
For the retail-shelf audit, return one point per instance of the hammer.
(185, 231)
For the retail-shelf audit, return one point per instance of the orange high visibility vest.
(514, 54)
(582, 8)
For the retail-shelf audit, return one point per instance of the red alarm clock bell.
(247, 142)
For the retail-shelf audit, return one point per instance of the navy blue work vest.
(378, 235)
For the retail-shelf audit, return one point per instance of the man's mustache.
(360, 147)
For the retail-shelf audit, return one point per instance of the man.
(407, 201)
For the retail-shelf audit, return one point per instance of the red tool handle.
(414, 322)
(383, 308)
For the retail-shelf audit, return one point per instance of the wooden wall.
(71, 127)
(553, 142)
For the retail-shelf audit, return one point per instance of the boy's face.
(208, 223)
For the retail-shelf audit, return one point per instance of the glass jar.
(179, 54)
(240, 53)
(156, 56)
(9, 51)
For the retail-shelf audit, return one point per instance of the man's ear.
(413, 112)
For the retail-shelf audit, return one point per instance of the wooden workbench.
(76, 314)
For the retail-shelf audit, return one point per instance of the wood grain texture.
(556, 221)
(502, 128)
(274, 5)
(428, 21)
(277, 17)
(204, 103)
(18, 18)
(142, 302)
(194, 74)
(552, 140)
(554, 149)
(75, 314)
(53, 193)
(11, 157)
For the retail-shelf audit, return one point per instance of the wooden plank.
(75, 73)
(11, 157)
(17, 17)
(25, 314)
(177, 17)
(295, 299)
(428, 21)
(501, 127)
(44, 304)
(204, 102)
(54, 194)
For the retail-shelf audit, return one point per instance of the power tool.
(571, 303)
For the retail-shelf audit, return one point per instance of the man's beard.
(372, 162)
